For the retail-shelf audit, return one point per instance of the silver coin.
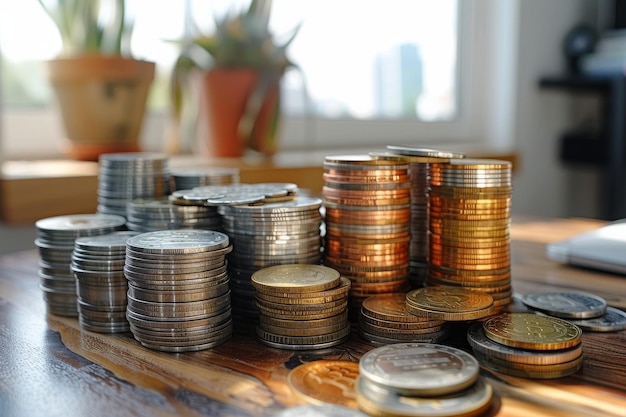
(566, 304)
(422, 369)
(424, 152)
(612, 320)
(178, 241)
(379, 401)
(73, 223)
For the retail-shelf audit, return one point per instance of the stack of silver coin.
(421, 379)
(269, 234)
(56, 237)
(123, 177)
(186, 179)
(98, 266)
(162, 214)
(178, 295)
(419, 160)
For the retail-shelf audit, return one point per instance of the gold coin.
(295, 278)
(366, 174)
(302, 331)
(390, 156)
(469, 266)
(367, 202)
(325, 381)
(363, 159)
(450, 315)
(321, 297)
(487, 275)
(532, 372)
(399, 333)
(299, 314)
(391, 307)
(360, 289)
(330, 321)
(303, 340)
(455, 300)
(474, 164)
(532, 331)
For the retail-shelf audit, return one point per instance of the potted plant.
(100, 88)
(235, 73)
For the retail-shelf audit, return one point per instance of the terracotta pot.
(102, 100)
(223, 97)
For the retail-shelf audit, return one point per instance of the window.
(376, 72)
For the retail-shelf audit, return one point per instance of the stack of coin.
(56, 237)
(123, 177)
(367, 223)
(527, 345)
(178, 296)
(385, 320)
(98, 266)
(469, 221)
(186, 179)
(449, 303)
(588, 311)
(419, 160)
(269, 234)
(145, 215)
(301, 307)
(421, 379)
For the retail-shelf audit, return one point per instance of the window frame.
(485, 89)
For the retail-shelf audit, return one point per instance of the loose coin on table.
(420, 369)
(612, 320)
(325, 382)
(566, 304)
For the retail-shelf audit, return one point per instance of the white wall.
(543, 185)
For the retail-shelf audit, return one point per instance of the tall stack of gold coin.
(367, 224)
(301, 306)
(469, 222)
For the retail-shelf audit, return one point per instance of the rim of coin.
(566, 304)
(484, 345)
(425, 152)
(325, 382)
(295, 278)
(422, 369)
(532, 331)
(377, 401)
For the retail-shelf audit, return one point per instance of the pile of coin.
(186, 179)
(150, 215)
(527, 345)
(421, 379)
(55, 241)
(588, 311)
(367, 223)
(419, 160)
(178, 296)
(123, 177)
(449, 303)
(301, 307)
(98, 266)
(385, 320)
(469, 221)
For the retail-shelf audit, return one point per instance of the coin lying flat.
(612, 320)
(422, 369)
(295, 278)
(566, 304)
(378, 401)
(449, 303)
(532, 331)
(325, 382)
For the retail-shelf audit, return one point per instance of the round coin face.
(566, 304)
(449, 303)
(532, 331)
(325, 382)
(178, 241)
(422, 369)
(295, 278)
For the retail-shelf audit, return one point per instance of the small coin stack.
(178, 296)
(162, 214)
(449, 303)
(186, 179)
(56, 237)
(588, 311)
(123, 177)
(419, 160)
(367, 222)
(385, 320)
(301, 307)
(469, 221)
(98, 266)
(421, 379)
(527, 345)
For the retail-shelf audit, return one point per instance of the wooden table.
(50, 367)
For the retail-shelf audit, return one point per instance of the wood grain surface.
(50, 367)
